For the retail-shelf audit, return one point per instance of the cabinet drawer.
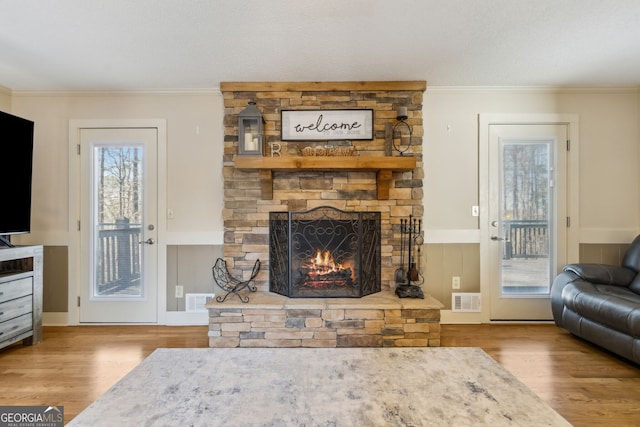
(15, 326)
(16, 289)
(16, 307)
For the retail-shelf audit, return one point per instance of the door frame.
(572, 190)
(75, 282)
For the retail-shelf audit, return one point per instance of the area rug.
(319, 387)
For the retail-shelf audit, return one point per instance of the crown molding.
(532, 89)
(397, 85)
(224, 86)
(88, 93)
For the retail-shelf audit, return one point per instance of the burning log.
(323, 271)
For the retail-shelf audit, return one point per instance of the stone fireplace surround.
(273, 320)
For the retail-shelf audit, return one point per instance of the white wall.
(194, 153)
(609, 157)
(609, 154)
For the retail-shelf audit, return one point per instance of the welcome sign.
(326, 125)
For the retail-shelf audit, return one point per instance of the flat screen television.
(16, 154)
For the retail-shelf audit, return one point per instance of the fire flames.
(322, 267)
(323, 263)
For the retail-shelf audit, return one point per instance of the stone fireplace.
(292, 183)
(324, 252)
(376, 183)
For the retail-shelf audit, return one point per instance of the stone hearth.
(378, 320)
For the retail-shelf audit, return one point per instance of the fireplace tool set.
(408, 281)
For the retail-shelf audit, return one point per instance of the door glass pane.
(525, 217)
(117, 193)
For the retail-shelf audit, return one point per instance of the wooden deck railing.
(117, 253)
(526, 239)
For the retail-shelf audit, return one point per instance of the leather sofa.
(601, 303)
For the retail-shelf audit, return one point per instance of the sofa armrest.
(558, 285)
(602, 273)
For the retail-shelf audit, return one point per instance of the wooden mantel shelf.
(327, 163)
(384, 166)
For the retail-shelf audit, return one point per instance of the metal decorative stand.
(408, 285)
(232, 285)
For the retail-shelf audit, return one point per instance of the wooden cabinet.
(21, 295)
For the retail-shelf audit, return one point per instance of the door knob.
(149, 241)
(497, 238)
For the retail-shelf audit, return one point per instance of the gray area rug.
(319, 387)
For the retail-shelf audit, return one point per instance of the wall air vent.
(196, 302)
(465, 302)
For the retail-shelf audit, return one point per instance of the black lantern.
(250, 131)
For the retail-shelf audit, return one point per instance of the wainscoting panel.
(606, 253)
(442, 261)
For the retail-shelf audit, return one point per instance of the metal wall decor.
(402, 132)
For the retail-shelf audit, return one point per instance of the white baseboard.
(451, 318)
(183, 318)
(55, 319)
(171, 318)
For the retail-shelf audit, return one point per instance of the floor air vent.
(465, 302)
(196, 302)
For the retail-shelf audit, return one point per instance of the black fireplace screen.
(324, 252)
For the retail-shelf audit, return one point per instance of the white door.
(118, 220)
(527, 217)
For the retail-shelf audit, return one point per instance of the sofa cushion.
(614, 306)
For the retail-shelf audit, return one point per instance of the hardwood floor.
(73, 366)
(586, 385)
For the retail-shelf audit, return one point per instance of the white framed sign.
(326, 125)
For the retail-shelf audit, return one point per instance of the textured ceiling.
(196, 44)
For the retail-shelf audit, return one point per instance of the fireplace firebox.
(324, 252)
